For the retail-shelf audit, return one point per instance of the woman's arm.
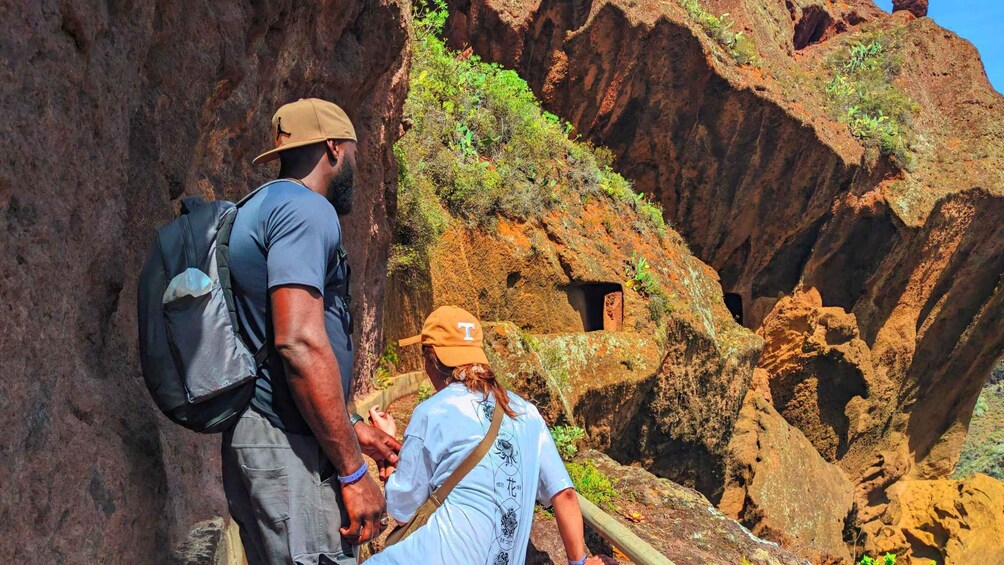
(569, 517)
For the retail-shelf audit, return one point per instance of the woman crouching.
(486, 517)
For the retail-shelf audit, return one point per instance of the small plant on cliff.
(425, 391)
(566, 439)
(640, 276)
(592, 483)
(888, 559)
(619, 188)
(736, 43)
(862, 94)
(641, 279)
(383, 377)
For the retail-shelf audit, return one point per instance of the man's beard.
(340, 191)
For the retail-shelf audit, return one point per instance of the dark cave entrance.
(601, 305)
(734, 302)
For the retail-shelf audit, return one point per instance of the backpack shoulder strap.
(472, 459)
(223, 262)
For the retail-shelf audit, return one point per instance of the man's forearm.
(316, 384)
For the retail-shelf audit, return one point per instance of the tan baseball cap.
(454, 334)
(307, 121)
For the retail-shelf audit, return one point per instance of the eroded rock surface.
(114, 111)
(781, 200)
(679, 522)
(943, 521)
(664, 390)
(916, 7)
(779, 486)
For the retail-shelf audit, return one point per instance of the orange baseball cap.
(454, 334)
(304, 122)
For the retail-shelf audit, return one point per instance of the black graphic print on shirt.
(504, 458)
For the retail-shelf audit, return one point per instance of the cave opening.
(734, 302)
(600, 305)
(812, 27)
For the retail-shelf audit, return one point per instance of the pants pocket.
(269, 493)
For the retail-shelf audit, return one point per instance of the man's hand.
(365, 505)
(379, 446)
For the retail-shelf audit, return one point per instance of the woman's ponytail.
(480, 378)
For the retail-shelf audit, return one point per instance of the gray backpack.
(195, 363)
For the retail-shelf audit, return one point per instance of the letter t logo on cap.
(467, 327)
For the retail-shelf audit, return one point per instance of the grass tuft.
(862, 94)
(739, 45)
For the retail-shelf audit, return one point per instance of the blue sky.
(979, 21)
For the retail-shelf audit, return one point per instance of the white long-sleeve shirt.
(486, 519)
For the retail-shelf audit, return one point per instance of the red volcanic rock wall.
(778, 198)
(112, 111)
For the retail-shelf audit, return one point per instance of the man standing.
(293, 471)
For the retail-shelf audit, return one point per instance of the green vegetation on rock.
(641, 279)
(888, 559)
(739, 45)
(425, 391)
(592, 483)
(383, 377)
(480, 148)
(566, 439)
(862, 93)
(983, 451)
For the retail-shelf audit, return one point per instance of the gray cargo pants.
(283, 493)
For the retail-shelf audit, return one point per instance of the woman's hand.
(383, 421)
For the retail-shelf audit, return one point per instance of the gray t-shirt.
(288, 234)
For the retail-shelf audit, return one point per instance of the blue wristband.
(579, 561)
(349, 479)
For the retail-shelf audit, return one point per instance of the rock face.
(943, 521)
(916, 7)
(114, 111)
(678, 522)
(780, 488)
(820, 374)
(782, 201)
(664, 393)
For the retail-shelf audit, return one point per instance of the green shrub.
(487, 147)
(981, 407)
(592, 483)
(888, 559)
(736, 43)
(420, 221)
(425, 391)
(641, 279)
(566, 439)
(480, 147)
(862, 94)
(383, 376)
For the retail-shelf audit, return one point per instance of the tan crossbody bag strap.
(458, 474)
(471, 461)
